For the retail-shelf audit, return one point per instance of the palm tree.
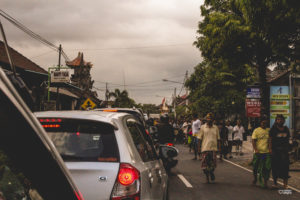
(122, 99)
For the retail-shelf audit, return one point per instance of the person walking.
(230, 137)
(195, 129)
(209, 144)
(238, 132)
(262, 154)
(280, 135)
(223, 139)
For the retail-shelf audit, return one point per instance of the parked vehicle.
(136, 112)
(30, 166)
(108, 153)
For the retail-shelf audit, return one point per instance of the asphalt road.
(187, 181)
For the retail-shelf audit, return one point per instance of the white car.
(109, 155)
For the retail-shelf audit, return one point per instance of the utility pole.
(174, 103)
(186, 89)
(57, 92)
(106, 92)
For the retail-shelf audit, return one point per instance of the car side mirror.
(168, 151)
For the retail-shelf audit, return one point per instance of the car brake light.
(50, 120)
(78, 195)
(127, 185)
(127, 174)
(51, 125)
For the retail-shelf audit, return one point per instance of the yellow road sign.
(88, 103)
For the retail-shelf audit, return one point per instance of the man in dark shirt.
(165, 130)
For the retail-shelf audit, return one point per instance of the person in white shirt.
(230, 137)
(195, 129)
(209, 143)
(238, 132)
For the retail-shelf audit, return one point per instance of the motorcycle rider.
(165, 130)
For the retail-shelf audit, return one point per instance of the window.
(141, 145)
(83, 140)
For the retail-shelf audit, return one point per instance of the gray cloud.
(111, 34)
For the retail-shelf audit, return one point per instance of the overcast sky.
(136, 42)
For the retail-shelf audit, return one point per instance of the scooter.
(167, 153)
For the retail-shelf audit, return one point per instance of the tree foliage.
(237, 39)
(121, 99)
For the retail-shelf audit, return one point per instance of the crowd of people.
(208, 137)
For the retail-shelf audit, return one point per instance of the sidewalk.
(246, 159)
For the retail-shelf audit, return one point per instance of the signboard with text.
(253, 107)
(279, 103)
(60, 77)
(253, 93)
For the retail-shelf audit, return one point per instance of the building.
(36, 80)
(83, 80)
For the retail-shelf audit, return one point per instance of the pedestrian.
(195, 129)
(280, 135)
(223, 139)
(262, 154)
(185, 127)
(190, 137)
(238, 132)
(209, 144)
(229, 138)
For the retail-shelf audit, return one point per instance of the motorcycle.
(167, 153)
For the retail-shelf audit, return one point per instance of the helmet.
(164, 118)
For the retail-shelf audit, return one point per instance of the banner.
(279, 103)
(253, 107)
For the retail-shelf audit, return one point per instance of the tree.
(218, 89)
(238, 34)
(121, 99)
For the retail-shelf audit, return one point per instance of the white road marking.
(187, 184)
(252, 171)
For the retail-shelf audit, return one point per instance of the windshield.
(83, 140)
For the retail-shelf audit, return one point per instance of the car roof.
(120, 109)
(106, 117)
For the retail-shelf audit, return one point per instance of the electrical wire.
(131, 48)
(31, 33)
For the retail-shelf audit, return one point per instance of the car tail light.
(127, 185)
(51, 125)
(170, 144)
(78, 195)
(50, 120)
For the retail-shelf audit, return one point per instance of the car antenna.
(7, 50)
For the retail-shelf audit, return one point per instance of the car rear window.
(82, 140)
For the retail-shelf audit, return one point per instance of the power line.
(138, 83)
(31, 33)
(131, 48)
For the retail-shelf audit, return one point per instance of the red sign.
(253, 107)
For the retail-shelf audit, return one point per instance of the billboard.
(253, 93)
(253, 107)
(280, 103)
(60, 77)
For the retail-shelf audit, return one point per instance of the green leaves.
(121, 99)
